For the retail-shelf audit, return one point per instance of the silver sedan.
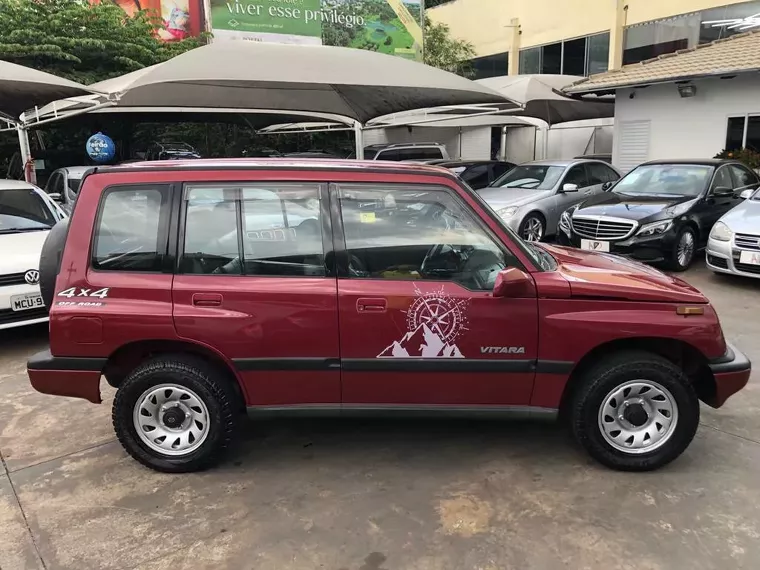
(734, 242)
(531, 197)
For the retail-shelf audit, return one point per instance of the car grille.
(747, 268)
(747, 241)
(602, 228)
(12, 279)
(719, 262)
(8, 316)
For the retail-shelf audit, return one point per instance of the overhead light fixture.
(740, 24)
(687, 90)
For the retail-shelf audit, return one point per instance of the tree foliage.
(82, 42)
(444, 52)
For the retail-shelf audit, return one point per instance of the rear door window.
(131, 229)
(252, 229)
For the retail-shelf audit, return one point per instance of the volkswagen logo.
(32, 277)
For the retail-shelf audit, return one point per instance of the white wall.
(681, 127)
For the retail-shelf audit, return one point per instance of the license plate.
(26, 302)
(595, 245)
(750, 257)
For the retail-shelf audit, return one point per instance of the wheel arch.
(128, 356)
(684, 355)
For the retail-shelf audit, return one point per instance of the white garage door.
(633, 144)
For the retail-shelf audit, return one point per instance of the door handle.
(371, 305)
(207, 299)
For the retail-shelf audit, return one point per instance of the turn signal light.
(686, 311)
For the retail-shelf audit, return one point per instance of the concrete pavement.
(378, 495)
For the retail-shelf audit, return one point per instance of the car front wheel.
(175, 414)
(634, 411)
(532, 228)
(684, 250)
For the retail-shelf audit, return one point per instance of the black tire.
(674, 263)
(530, 218)
(211, 386)
(50, 260)
(614, 371)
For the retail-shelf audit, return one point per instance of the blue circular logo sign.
(100, 148)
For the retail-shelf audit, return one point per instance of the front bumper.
(10, 318)
(74, 377)
(731, 373)
(648, 249)
(723, 257)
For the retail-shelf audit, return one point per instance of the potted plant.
(746, 155)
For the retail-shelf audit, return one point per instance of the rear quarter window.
(131, 229)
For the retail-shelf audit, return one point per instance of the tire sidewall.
(127, 396)
(586, 424)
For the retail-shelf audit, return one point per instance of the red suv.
(204, 288)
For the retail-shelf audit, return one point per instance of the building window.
(490, 65)
(743, 132)
(658, 37)
(581, 56)
(530, 61)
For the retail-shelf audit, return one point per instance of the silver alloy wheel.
(685, 249)
(533, 229)
(638, 417)
(171, 419)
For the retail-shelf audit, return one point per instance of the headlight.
(564, 220)
(507, 212)
(655, 228)
(721, 232)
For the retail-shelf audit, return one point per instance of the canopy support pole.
(26, 155)
(503, 143)
(359, 138)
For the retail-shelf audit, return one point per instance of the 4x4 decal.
(434, 321)
(82, 292)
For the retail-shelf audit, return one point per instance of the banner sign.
(387, 26)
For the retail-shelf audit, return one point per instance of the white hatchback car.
(26, 216)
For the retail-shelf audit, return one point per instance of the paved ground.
(371, 495)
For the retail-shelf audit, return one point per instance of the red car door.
(418, 323)
(253, 285)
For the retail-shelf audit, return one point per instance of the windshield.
(23, 210)
(533, 176)
(540, 257)
(756, 195)
(665, 180)
(369, 154)
(74, 184)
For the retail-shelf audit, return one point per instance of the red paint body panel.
(485, 322)
(71, 383)
(591, 299)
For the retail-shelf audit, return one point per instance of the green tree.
(82, 42)
(444, 52)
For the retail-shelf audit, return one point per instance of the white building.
(690, 104)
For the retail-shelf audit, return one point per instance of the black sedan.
(477, 173)
(661, 211)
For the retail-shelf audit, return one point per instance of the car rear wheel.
(684, 250)
(634, 411)
(533, 228)
(175, 414)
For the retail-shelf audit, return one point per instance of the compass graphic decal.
(434, 321)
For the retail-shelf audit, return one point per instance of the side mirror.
(722, 191)
(606, 186)
(746, 194)
(56, 197)
(569, 187)
(513, 282)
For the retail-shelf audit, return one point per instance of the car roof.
(77, 171)
(563, 163)
(276, 163)
(382, 146)
(699, 161)
(16, 185)
(448, 163)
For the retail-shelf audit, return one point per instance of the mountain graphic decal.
(434, 321)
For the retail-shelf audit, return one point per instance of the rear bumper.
(731, 372)
(74, 377)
